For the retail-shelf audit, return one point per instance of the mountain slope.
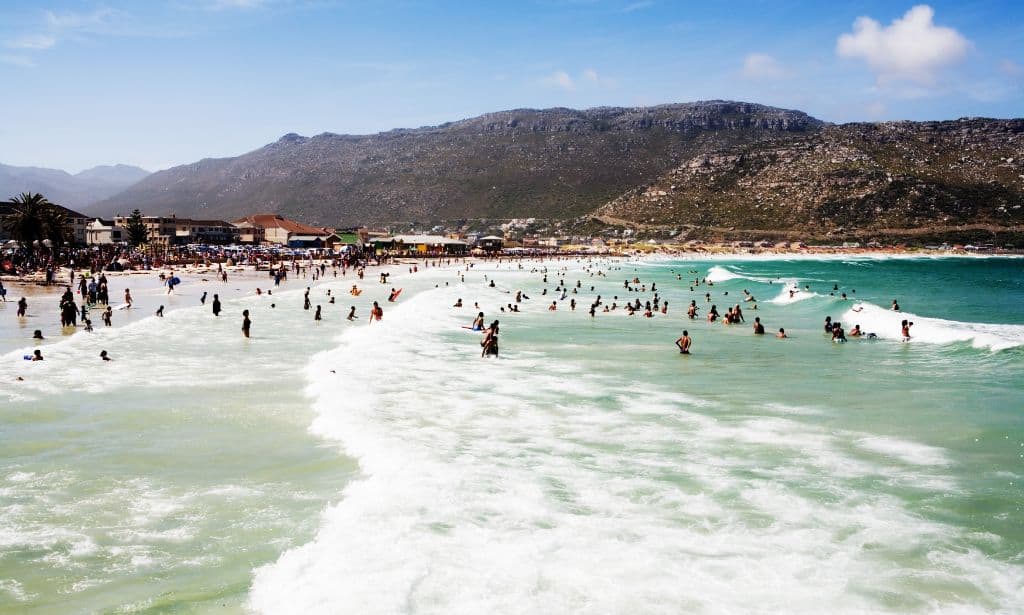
(550, 163)
(853, 178)
(77, 191)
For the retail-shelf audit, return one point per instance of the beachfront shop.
(419, 245)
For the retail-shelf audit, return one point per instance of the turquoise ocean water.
(381, 468)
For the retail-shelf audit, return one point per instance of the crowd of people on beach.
(94, 293)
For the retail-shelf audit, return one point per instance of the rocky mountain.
(854, 180)
(520, 163)
(77, 191)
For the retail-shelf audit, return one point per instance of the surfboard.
(123, 306)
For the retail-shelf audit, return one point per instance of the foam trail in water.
(886, 324)
(528, 484)
(792, 293)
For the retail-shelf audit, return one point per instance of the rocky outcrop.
(845, 178)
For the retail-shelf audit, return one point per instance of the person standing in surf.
(216, 305)
(490, 342)
(684, 342)
(246, 323)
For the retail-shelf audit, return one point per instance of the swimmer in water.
(352, 314)
(478, 322)
(104, 356)
(684, 342)
(781, 334)
(895, 306)
(37, 355)
(905, 330)
(855, 331)
(246, 323)
(38, 335)
(758, 327)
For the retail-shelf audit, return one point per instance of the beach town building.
(491, 243)
(419, 245)
(77, 223)
(101, 232)
(280, 230)
(175, 231)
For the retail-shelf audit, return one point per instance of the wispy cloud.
(592, 77)
(588, 79)
(638, 6)
(911, 48)
(31, 41)
(221, 5)
(761, 66)
(17, 60)
(560, 79)
(98, 20)
(1011, 68)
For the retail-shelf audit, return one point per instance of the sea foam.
(886, 324)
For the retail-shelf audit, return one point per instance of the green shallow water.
(590, 468)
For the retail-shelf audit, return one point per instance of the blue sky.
(157, 83)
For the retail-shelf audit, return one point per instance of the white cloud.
(911, 48)
(31, 41)
(762, 66)
(560, 79)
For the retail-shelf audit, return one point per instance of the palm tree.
(34, 218)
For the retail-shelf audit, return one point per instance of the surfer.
(684, 342)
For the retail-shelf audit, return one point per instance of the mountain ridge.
(76, 191)
(720, 165)
(547, 162)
